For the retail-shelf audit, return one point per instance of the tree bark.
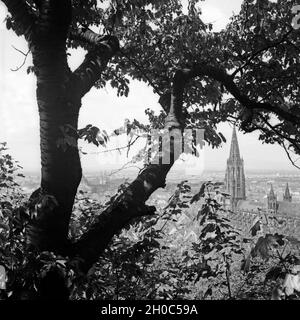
(59, 93)
(58, 109)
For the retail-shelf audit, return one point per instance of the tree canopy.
(247, 73)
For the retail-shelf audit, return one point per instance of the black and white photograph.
(149, 153)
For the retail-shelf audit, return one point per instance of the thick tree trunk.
(59, 93)
(58, 106)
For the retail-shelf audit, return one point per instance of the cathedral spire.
(287, 195)
(271, 193)
(234, 148)
(272, 200)
(235, 177)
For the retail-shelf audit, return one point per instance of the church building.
(235, 186)
(284, 207)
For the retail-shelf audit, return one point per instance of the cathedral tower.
(235, 176)
(272, 200)
(287, 195)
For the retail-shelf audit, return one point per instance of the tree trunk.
(58, 106)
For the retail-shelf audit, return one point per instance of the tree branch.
(131, 143)
(23, 17)
(127, 165)
(152, 84)
(220, 75)
(131, 204)
(284, 137)
(254, 55)
(24, 60)
(95, 62)
(289, 156)
(87, 37)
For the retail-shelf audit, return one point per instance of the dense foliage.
(259, 50)
(247, 73)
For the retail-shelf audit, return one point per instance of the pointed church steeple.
(272, 193)
(235, 177)
(272, 200)
(287, 195)
(234, 148)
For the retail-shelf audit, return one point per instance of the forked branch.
(101, 50)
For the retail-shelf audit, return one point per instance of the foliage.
(13, 217)
(218, 245)
(153, 258)
(259, 49)
(8, 168)
(132, 267)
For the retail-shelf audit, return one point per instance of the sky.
(19, 117)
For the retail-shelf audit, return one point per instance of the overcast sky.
(19, 118)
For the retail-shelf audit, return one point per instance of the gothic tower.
(272, 200)
(287, 195)
(235, 176)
